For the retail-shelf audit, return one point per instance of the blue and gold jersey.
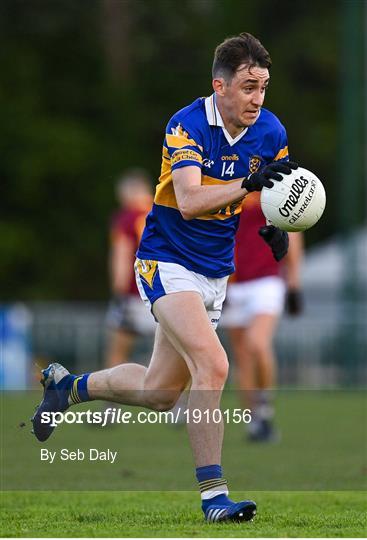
(196, 136)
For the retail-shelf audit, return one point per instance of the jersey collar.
(214, 119)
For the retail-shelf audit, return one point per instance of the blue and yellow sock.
(213, 486)
(79, 390)
(72, 389)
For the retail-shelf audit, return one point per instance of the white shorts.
(155, 279)
(247, 299)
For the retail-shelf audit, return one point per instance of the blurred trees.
(87, 88)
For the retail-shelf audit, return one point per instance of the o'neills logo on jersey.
(254, 163)
(298, 187)
(233, 157)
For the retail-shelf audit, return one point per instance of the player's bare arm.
(194, 199)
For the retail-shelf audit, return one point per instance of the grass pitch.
(323, 448)
(177, 514)
(298, 484)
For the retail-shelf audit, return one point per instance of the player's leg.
(259, 344)
(259, 339)
(267, 306)
(122, 384)
(256, 305)
(236, 317)
(156, 387)
(245, 367)
(185, 321)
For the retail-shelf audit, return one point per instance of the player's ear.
(219, 86)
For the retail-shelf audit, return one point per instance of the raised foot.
(51, 402)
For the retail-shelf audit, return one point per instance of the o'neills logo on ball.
(294, 196)
(306, 202)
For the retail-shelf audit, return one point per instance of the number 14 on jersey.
(227, 169)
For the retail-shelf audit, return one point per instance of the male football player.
(185, 258)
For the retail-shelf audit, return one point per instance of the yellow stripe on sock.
(211, 484)
(74, 391)
(211, 481)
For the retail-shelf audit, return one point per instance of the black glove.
(278, 240)
(294, 302)
(257, 180)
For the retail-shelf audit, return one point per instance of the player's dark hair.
(236, 51)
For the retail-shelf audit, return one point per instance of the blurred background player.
(256, 296)
(127, 316)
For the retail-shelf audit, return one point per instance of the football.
(296, 203)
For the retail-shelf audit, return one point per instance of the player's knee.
(163, 406)
(212, 374)
(161, 401)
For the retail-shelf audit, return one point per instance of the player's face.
(242, 97)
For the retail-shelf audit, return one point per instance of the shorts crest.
(147, 271)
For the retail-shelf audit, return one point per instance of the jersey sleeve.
(281, 146)
(182, 145)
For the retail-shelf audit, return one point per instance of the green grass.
(323, 448)
(311, 484)
(177, 514)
